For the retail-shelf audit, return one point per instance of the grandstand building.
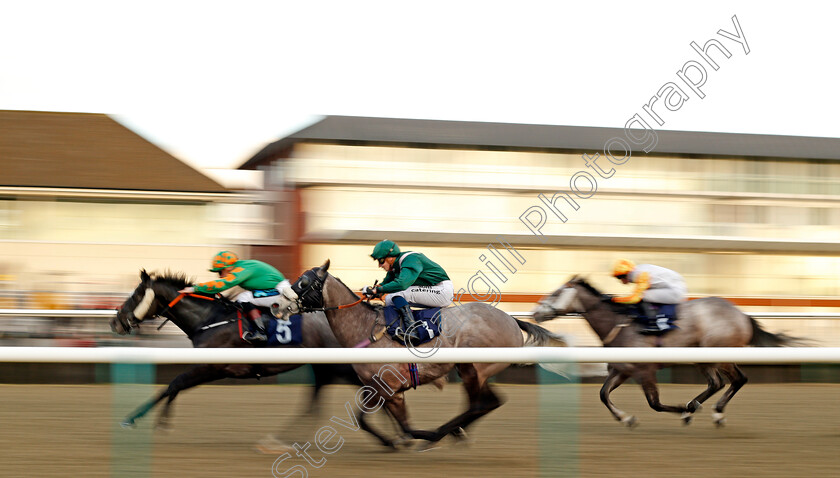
(85, 203)
(751, 217)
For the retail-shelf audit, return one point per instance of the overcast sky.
(213, 82)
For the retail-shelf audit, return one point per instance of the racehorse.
(212, 322)
(706, 322)
(472, 325)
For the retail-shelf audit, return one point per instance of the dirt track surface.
(787, 430)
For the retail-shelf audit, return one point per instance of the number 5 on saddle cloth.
(285, 332)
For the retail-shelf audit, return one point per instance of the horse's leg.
(613, 381)
(482, 400)
(737, 380)
(323, 375)
(364, 425)
(395, 404)
(646, 375)
(142, 410)
(303, 420)
(715, 383)
(191, 378)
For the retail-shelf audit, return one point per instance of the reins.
(175, 301)
(336, 307)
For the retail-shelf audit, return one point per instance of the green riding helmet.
(385, 249)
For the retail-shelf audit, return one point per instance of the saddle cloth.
(666, 315)
(285, 332)
(427, 330)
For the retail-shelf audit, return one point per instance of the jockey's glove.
(286, 289)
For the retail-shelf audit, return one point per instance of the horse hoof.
(403, 441)
(687, 418)
(630, 422)
(163, 427)
(461, 437)
(128, 424)
(719, 419)
(272, 446)
(428, 446)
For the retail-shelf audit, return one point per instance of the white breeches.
(438, 295)
(284, 289)
(671, 295)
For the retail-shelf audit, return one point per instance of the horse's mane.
(365, 303)
(586, 285)
(179, 280)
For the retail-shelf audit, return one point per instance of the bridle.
(310, 290)
(141, 310)
(571, 296)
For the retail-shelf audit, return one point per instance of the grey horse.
(471, 325)
(707, 322)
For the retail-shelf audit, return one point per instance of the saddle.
(663, 320)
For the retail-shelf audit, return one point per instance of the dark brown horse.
(214, 323)
(471, 325)
(707, 322)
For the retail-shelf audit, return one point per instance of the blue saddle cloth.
(429, 329)
(668, 311)
(285, 332)
(666, 315)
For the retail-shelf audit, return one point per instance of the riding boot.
(651, 323)
(258, 335)
(410, 332)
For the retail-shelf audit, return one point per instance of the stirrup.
(256, 339)
(652, 329)
(255, 336)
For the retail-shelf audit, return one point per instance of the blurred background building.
(748, 217)
(86, 203)
(738, 215)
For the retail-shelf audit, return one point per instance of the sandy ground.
(785, 430)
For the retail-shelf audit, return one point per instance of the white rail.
(757, 315)
(70, 314)
(88, 313)
(137, 355)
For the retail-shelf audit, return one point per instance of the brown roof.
(90, 151)
(525, 137)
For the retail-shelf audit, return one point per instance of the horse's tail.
(763, 338)
(540, 336)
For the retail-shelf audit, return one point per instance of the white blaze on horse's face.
(566, 299)
(145, 304)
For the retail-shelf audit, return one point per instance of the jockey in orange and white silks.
(654, 284)
(261, 282)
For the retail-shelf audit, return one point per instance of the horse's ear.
(144, 276)
(322, 271)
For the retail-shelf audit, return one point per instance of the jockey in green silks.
(261, 281)
(412, 278)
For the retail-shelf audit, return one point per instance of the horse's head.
(135, 309)
(309, 288)
(560, 302)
